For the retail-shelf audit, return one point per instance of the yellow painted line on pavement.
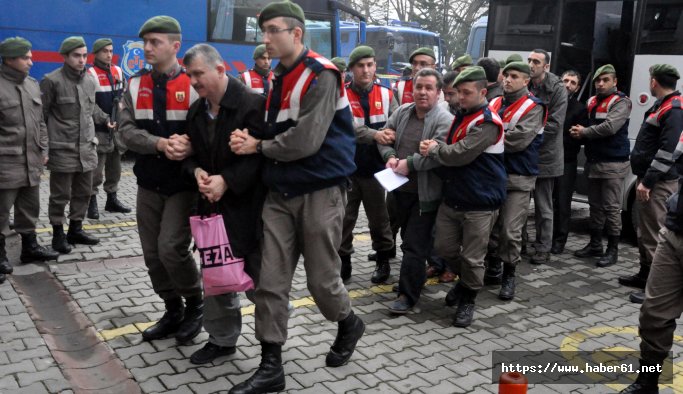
(135, 328)
(94, 226)
(573, 341)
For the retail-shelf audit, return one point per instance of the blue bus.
(393, 44)
(229, 25)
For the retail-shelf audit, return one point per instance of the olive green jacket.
(71, 113)
(23, 135)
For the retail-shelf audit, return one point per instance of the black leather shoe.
(210, 352)
(507, 288)
(637, 388)
(93, 211)
(169, 322)
(350, 330)
(76, 235)
(31, 251)
(637, 297)
(192, 320)
(269, 377)
(381, 273)
(59, 239)
(114, 205)
(638, 280)
(594, 247)
(465, 312)
(612, 254)
(540, 258)
(345, 268)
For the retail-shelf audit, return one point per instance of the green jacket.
(71, 113)
(23, 135)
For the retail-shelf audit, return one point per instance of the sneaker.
(210, 352)
(400, 306)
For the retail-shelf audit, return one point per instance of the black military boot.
(93, 212)
(76, 235)
(114, 205)
(345, 268)
(59, 239)
(454, 294)
(31, 251)
(507, 288)
(169, 322)
(494, 271)
(192, 321)
(465, 312)
(5, 266)
(349, 332)
(594, 247)
(638, 280)
(269, 377)
(646, 382)
(612, 254)
(383, 268)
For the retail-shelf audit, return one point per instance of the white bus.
(586, 34)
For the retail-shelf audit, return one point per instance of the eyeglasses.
(271, 31)
(421, 64)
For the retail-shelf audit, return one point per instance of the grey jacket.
(71, 113)
(437, 124)
(551, 154)
(23, 135)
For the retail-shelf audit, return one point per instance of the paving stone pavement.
(417, 353)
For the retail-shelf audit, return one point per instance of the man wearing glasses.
(308, 150)
(419, 59)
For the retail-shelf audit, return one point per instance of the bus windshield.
(393, 48)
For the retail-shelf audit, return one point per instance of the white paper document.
(390, 180)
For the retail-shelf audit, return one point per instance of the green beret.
(502, 64)
(470, 74)
(661, 70)
(464, 60)
(101, 43)
(259, 51)
(360, 52)
(340, 63)
(71, 43)
(283, 8)
(517, 66)
(515, 57)
(14, 47)
(606, 69)
(422, 51)
(160, 24)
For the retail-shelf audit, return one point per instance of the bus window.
(237, 21)
(524, 25)
(662, 32)
(234, 20)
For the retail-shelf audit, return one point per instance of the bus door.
(660, 40)
(595, 33)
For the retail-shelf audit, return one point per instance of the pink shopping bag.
(222, 272)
